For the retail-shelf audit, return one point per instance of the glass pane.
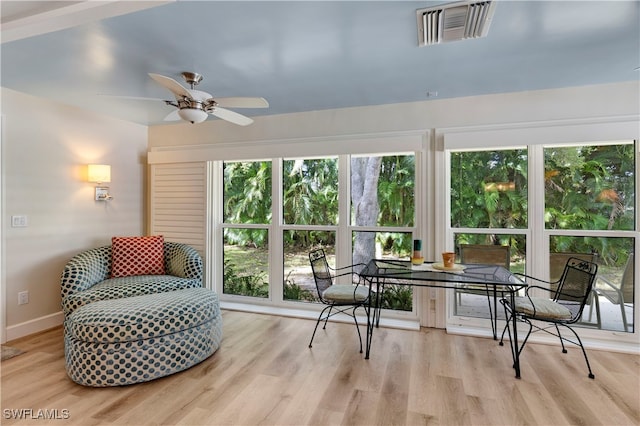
(489, 189)
(246, 262)
(247, 192)
(486, 248)
(298, 278)
(310, 191)
(386, 245)
(590, 187)
(382, 190)
(611, 305)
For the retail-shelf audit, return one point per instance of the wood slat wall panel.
(178, 200)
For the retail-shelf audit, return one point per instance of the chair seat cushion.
(342, 293)
(544, 308)
(118, 288)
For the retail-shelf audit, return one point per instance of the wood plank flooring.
(264, 374)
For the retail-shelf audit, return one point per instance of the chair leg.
(598, 314)
(357, 327)
(506, 326)
(493, 316)
(318, 322)
(584, 353)
(624, 316)
(324, 327)
(379, 299)
(564, 350)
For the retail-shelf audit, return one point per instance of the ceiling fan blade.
(173, 116)
(170, 84)
(231, 116)
(242, 102)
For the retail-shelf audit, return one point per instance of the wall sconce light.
(100, 173)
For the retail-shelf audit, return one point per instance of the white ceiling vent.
(454, 21)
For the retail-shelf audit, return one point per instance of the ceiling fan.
(195, 106)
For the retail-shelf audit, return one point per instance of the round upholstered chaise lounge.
(136, 339)
(152, 320)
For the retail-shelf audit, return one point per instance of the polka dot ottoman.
(136, 339)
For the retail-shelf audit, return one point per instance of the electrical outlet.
(23, 298)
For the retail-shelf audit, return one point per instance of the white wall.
(43, 170)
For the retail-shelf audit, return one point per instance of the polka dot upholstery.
(85, 278)
(116, 288)
(141, 338)
(126, 330)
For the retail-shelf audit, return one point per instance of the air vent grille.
(454, 21)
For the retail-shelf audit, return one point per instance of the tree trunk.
(365, 172)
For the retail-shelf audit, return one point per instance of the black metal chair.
(345, 298)
(556, 267)
(568, 298)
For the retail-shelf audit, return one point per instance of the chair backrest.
(575, 285)
(557, 262)
(627, 280)
(488, 254)
(321, 272)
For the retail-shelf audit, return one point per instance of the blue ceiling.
(314, 55)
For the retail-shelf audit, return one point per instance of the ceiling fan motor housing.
(192, 78)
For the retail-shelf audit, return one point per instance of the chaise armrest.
(85, 269)
(182, 260)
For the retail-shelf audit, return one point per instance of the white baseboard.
(404, 324)
(34, 326)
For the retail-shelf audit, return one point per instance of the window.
(589, 193)
(489, 199)
(376, 218)
(383, 214)
(310, 189)
(589, 198)
(381, 204)
(246, 214)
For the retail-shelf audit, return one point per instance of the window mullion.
(343, 243)
(276, 240)
(537, 265)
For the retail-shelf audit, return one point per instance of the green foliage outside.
(586, 188)
(591, 188)
(255, 285)
(310, 196)
(489, 189)
(247, 199)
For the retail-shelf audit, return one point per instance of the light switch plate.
(19, 221)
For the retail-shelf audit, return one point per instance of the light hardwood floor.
(264, 373)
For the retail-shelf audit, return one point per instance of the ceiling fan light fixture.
(193, 115)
